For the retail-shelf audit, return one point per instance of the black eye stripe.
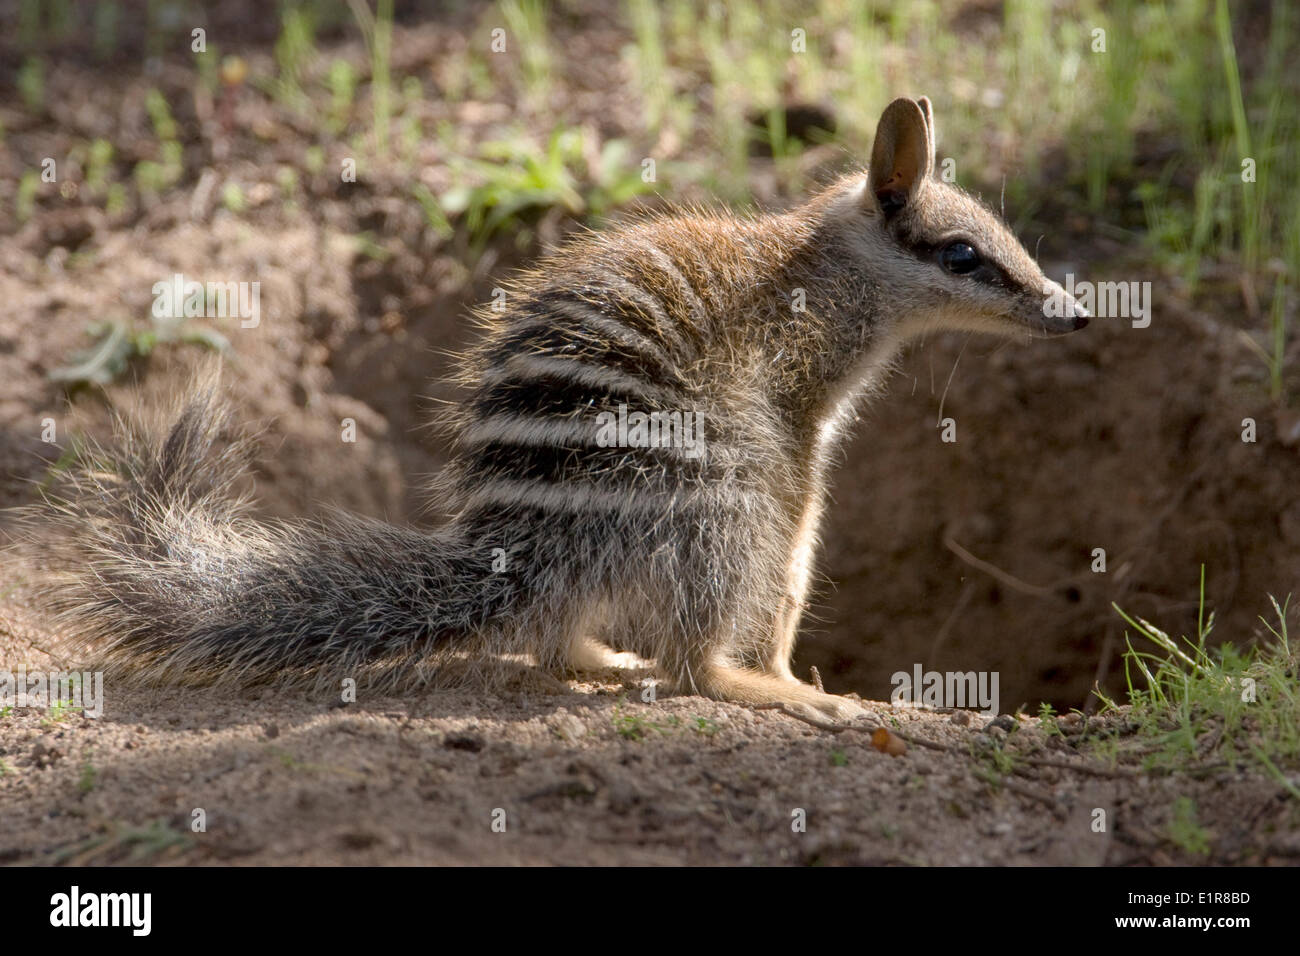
(987, 272)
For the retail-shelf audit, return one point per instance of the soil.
(970, 555)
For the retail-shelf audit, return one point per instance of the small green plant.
(25, 201)
(368, 246)
(1194, 700)
(313, 159)
(511, 181)
(208, 67)
(649, 60)
(377, 28)
(99, 158)
(702, 725)
(86, 782)
(61, 710)
(286, 177)
(633, 726)
(342, 79)
(1185, 832)
(434, 215)
(115, 200)
(1274, 357)
(160, 114)
(118, 343)
(1003, 761)
(31, 83)
(526, 25)
(119, 840)
(1047, 719)
(232, 197)
(294, 51)
(838, 758)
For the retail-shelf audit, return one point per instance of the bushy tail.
(149, 556)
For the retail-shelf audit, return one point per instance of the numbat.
(641, 462)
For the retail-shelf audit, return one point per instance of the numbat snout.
(640, 462)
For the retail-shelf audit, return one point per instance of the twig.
(992, 570)
(1021, 762)
(819, 724)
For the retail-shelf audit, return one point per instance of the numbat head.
(943, 260)
(641, 460)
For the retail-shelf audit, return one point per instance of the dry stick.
(943, 748)
(819, 724)
(1082, 768)
(1012, 582)
(1011, 785)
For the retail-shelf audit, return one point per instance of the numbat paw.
(838, 709)
(724, 682)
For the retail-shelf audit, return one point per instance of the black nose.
(1080, 321)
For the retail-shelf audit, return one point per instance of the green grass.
(294, 52)
(86, 782)
(342, 79)
(117, 343)
(510, 181)
(61, 710)
(377, 29)
(528, 42)
(1145, 140)
(31, 83)
(1184, 831)
(636, 727)
(702, 725)
(1192, 704)
(633, 726)
(121, 841)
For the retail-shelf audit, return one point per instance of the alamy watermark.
(83, 690)
(933, 689)
(1106, 300)
(684, 430)
(176, 298)
(75, 908)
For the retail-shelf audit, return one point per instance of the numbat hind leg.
(724, 681)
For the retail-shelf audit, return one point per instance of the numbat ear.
(902, 157)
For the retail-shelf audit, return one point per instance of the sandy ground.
(551, 772)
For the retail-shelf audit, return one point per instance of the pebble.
(568, 727)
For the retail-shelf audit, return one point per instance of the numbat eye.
(959, 258)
